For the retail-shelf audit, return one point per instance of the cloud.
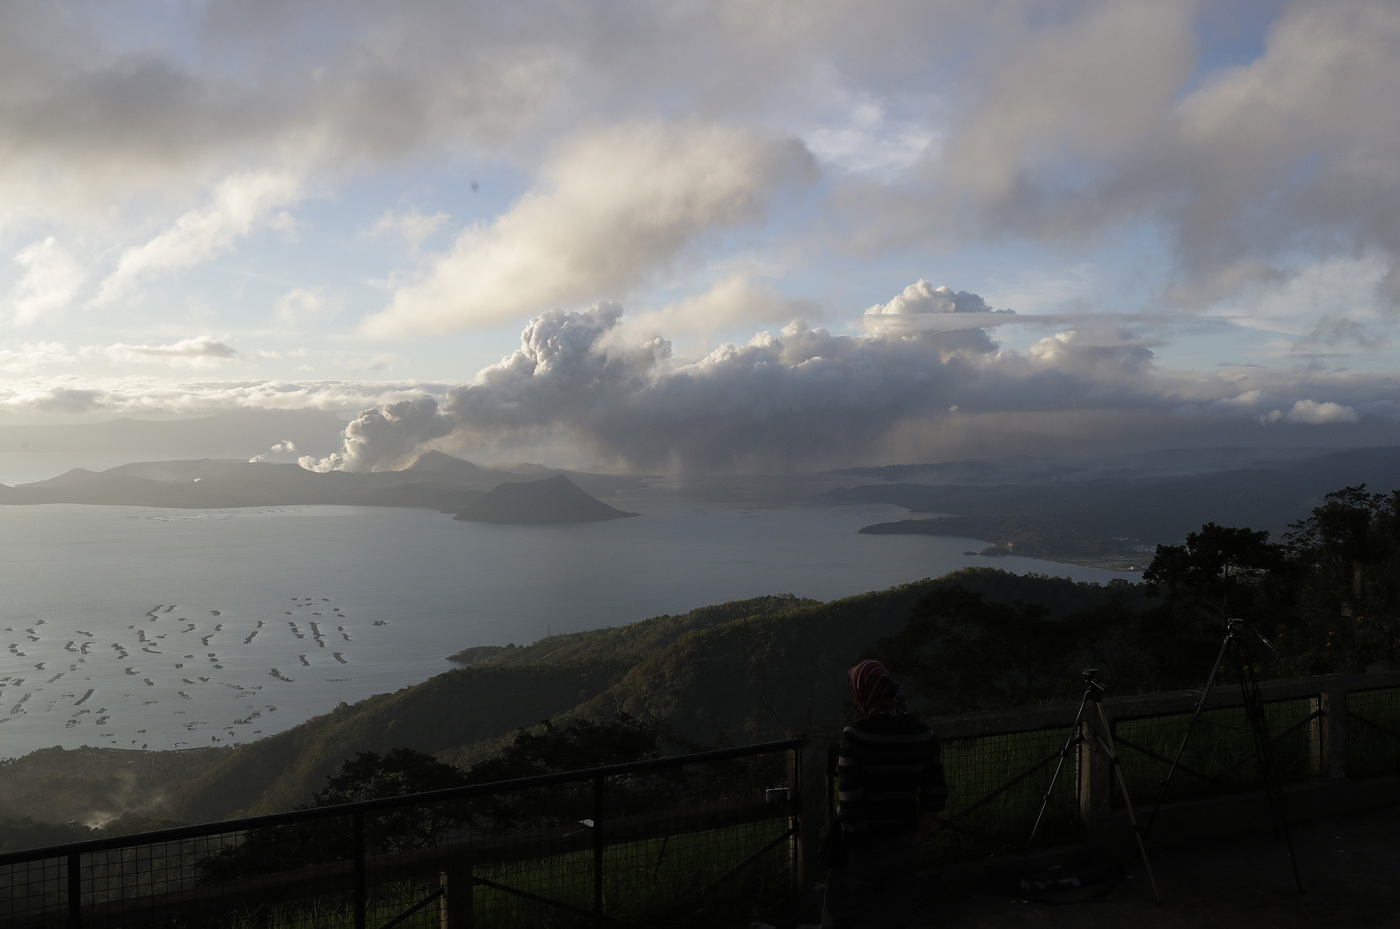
(285, 447)
(614, 207)
(238, 205)
(1078, 351)
(193, 353)
(31, 357)
(923, 305)
(50, 280)
(923, 297)
(67, 400)
(412, 226)
(1334, 332)
(301, 304)
(131, 395)
(1084, 92)
(1103, 121)
(385, 439)
(865, 139)
(737, 299)
(802, 397)
(1312, 413)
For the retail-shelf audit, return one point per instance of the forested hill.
(734, 673)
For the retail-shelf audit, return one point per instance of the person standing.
(890, 788)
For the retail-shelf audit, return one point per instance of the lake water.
(130, 627)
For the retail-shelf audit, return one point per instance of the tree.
(370, 776)
(1349, 531)
(1221, 567)
(961, 652)
(579, 744)
(1348, 551)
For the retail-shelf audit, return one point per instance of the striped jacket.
(890, 770)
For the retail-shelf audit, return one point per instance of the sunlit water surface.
(132, 627)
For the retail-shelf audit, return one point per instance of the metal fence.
(1000, 764)
(677, 840)
(670, 840)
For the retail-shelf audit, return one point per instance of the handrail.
(200, 830)
(1163, 703)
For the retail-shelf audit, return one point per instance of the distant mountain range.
(1117, 509)
(435, 481)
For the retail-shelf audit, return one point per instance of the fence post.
(794, 804)
(455, 904)
(75, 891)
(1331, 743)
(1095, 770)
(598, 852)
(357, 821)
(813, 802)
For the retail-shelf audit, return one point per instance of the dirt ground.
(1350, 871)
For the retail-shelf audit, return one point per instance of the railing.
(1336, 744)
(625, 844)
(666, 841)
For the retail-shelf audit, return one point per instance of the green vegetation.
(1328, 595)
(53, 795)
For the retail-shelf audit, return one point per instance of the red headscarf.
(872, 687)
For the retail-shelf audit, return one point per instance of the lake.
(130, 627)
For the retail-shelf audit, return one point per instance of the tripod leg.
(1106, 742)
(1074, 739)
(1191, 727)
(1263, 750)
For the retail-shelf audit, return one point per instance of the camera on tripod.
(1091, 685)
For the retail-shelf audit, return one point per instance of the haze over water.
(129, 627)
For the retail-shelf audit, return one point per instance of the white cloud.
(302, 304)
(200, 352)
(238, 205)
(50, 280)
(614, 207)
(737, 299)
(34, 356)
(921, 305)
(285, 447)
(1313, 413)
(386, 438)
(135, 395)
(867, 140)
(413, 225)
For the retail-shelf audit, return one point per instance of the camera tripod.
(1097, 732)
(1234, 645)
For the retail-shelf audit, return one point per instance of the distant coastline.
(435, 481)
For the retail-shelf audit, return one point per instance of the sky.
(742, 235)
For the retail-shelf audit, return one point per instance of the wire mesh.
(30, 889)
(1219, 756)
(1373, 732)
(673, 843)
(996, 786)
